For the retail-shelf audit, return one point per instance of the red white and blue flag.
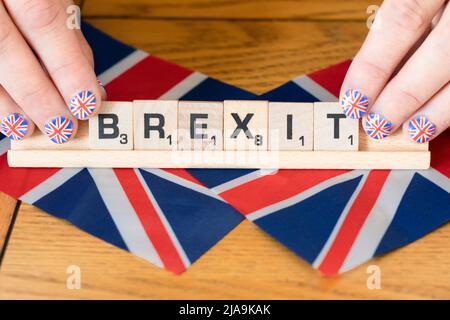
(83, 104)
(334, 219)
(14, 126)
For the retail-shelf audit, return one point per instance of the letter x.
(242, 125)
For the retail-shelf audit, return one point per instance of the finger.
(14, 123)
(420, 79)
(431, 120)
(44, 25)
(28, 85)
(399, 24)
(67, 4)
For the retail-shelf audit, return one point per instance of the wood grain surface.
(256, 45)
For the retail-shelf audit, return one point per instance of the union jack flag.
(83, 104)
(376, 126)
(15, 126)
(59, 129)
(421, 129)
(334, 219)
(354, 104)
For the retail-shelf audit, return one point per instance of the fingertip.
(60, 129)
(354, 103)
(420, 129)
(84, 103)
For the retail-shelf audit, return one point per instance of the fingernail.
(15, 126)
(83, 104)
(105, 94)
(376, 126)
(354, 103)
(421, 130)
(59, 129)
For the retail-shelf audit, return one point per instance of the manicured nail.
(15, 126)
(59, 129)
(376, 126)
(354, 103)
(83, 104)
(421, 130)
(100, 83)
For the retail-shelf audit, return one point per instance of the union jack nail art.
(59, 129)
(421, 130)
(376, 126)
(354, 104)
(15, 126)
(83, 104)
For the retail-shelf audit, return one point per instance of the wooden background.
(257, 45)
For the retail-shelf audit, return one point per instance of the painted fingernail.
(100, 83)
(59, 129)
(376, 126)
(83, 104)
(354, 103)
(15, 126)
(421, 130)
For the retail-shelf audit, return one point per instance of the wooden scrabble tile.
(245, 125)
(291, 126)
(155, 124)
(200, 125)
(333, 130)
(112, 127)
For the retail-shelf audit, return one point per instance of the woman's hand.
(401, 75)
(46, 71)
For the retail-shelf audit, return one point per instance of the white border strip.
(124, 216)
(242, 180)
(164, 221)
(184, 86)
(183, 182)
(315, 89)
(5, 145)
(379, 219)
(49, 185)
(339, 223)
(436, 177)
(304, 195)
(122, 66)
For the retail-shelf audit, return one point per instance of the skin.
(43, 63)
(403, 66)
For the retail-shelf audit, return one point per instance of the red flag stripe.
(331, 78)
(150, 220)
(440, 149)
(19, 181)
(270, 189)
(155, 75)
(184, 174)
(357, 215)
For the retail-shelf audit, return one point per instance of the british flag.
(15, 126)
(83, 104)
(376, 126)
(421, 129)
(334, 219)
(59, 129)
(355, 104)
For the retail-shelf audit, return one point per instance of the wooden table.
(256, 45)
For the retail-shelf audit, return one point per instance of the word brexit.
(232, 125)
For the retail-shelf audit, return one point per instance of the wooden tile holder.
(395, 152)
